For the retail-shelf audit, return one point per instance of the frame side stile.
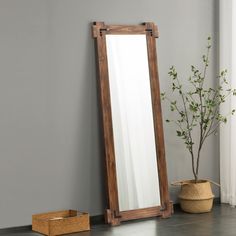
(152, 33)
(111, 181)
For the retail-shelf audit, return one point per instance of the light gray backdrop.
(49, 133)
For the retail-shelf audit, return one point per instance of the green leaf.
(193, 107)
(204, 58)
(182, 114)
(163, 96)
(179, 133)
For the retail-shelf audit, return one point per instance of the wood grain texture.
(141, 213)
(112, 214)
(60, 222)
(104, 92)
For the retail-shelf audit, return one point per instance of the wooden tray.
(60, 222)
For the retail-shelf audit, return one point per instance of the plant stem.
(198, 155)
(193, 166)
(189, 132)
(202, 114)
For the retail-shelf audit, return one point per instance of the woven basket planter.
(195, 197)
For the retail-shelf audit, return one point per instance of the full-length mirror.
(132, 123)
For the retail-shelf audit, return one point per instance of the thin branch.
(189, 131)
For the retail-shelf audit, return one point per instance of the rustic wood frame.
(112, 215)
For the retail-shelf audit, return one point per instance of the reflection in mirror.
(132, 120)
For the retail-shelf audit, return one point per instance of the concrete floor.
(221, 221)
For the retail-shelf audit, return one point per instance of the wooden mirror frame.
(112, 215)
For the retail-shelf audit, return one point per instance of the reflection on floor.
(221, 221)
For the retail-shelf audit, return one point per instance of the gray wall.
(49, 132)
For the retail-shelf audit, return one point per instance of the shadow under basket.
(196, 197)
(60, 222)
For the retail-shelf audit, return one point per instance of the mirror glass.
(132, 120)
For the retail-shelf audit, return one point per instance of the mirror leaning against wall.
(136, 175)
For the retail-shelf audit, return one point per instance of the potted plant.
(197, 117)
